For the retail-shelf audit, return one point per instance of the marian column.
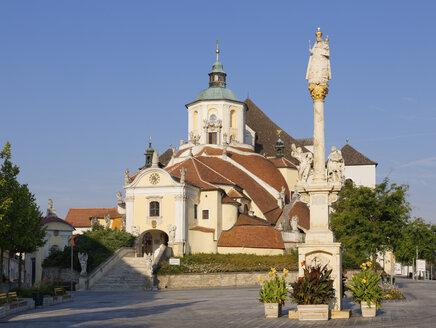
(314, 186)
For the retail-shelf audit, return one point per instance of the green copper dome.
(215, 93)
(217, 85)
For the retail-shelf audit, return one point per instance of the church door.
(147, 244)
(212, 138)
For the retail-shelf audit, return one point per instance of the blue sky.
(84, 83)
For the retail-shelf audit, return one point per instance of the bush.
(210, 263)
(98, 244)
(315, 287)
(274, 290)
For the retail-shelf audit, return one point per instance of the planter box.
(368, 312)
(313, 312)
(48, 301)
(273, 310)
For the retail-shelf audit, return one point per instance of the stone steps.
(127, 274)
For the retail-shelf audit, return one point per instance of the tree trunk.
(19, 270)
(374, 260)
(8, 276)
(1, 264)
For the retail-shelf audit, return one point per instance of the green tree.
(8, 181)
(417, 233)
(21, 225)
(368, 220)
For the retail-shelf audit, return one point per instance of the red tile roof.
(353, 157)
(253, 236)
(244, 219)
(80, 217)
(49, 219)
(202, 229)
(227, 200)
(301, 210)
(282, 162)
(236, 194)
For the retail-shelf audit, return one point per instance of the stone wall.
(56, 273)
(228, 279)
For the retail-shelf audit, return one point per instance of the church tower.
(217, 116)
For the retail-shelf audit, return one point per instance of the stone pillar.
(318, 93)
(180, 220)
(129, 213)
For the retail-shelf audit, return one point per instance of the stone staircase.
(127, 274)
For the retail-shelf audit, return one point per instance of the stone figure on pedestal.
(335, 166)
(123, 223)
(294, 223)
(305, 159)
(83, 259)
(318, 69)
(119, 197)
(183, 171)
(171, 233)
(107, 220)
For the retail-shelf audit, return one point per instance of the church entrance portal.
(149, 241)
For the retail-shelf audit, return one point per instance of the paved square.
(223, 307)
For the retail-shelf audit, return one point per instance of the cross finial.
(278, 132)
(347, 140)
(217, 50)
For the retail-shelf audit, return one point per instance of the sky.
(83, 84)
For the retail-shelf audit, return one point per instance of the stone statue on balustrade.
(107, 220)
(83, 259)
(305, 159)
(335, 167)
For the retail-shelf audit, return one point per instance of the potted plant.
(312, 293)
(273, 293)
(366, 290)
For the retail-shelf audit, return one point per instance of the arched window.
(195, 119)
(233, 119)
(154, 208)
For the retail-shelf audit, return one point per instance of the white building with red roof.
(228, 189)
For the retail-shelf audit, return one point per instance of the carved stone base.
(322, 254)
(177, 249)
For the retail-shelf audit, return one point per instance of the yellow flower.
(270, 274)
(363, 281)
(369, 263)
(285, 271)
(260, 278)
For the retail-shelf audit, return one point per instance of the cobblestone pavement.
(223, 307)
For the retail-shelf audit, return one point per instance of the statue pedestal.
(177, 248)
(329, 254)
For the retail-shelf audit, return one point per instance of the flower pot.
(368, 312)
(273, 310)
(313, 312)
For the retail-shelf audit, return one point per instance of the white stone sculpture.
(127, 176)
(155, 160)
(318, 69)
(335, 166)
(294, 223)
(83, 259)
(107, 220)
(135, 231)
(172, 233)
(149, 278)
(183, 171)
(119, 197)
(282, 198)
(123, 223)
(305, 159)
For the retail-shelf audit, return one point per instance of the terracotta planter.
(313, 312)
(368, 312)
(273, 310)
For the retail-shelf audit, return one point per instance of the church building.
(230, 187)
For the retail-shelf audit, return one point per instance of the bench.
(15, 300)
(62, 293)
(3, 298)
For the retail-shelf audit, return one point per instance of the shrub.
(391, 292)
(274, 289)
(210, 263)
(365, 287)
(315, 287)
(98, 244)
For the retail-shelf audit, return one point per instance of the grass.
(212, 263)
